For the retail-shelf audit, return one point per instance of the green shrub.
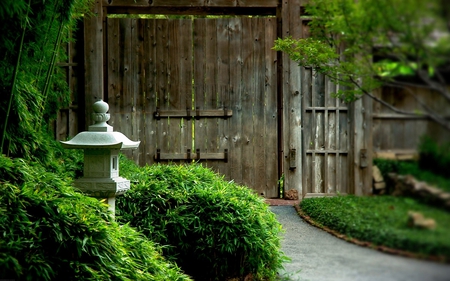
(214, 229)
(50, 232)
(434, 157)
(382, 220)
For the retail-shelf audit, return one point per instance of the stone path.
(317, 255)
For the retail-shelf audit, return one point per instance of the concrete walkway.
(317, 255)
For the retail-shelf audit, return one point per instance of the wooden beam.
(191, 3)
(201, 113)
(160, 156)
(200, 11)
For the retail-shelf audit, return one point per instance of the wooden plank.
(140, 61)
(368, 145)
(200, 38)
(330, 186)
(199, 11)
(195, 113)
(247, 101)
(211, 95)
(270, 110)
(93, 60)
(149, 92)
(185, 76)
(307, 139)
(223, 86)
(322, 108)
(235, 130)
(322, 151)
(123, 119)
(192, 3)
(259, 163)
(392, 116)
(192, 156)
(114, 81)
(162, 76)
(291, 92)
(175, 126)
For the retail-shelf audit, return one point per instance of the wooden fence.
(397, 136)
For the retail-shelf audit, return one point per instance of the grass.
(382, 220)
(412, 168)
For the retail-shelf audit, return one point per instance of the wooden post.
(93, 60)
(360, 172)
(292, 101)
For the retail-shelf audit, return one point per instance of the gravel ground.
(317, 255)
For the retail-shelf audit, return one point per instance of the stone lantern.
(101, 151)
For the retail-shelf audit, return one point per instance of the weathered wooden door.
(198, 90)
(326, 145)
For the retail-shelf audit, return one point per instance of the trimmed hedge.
(382, 220)
(214, 229)
(50, 232)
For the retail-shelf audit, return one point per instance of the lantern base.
(103, 187)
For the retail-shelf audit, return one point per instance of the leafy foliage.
(51, 232)
(214, 229)
(382, 220)
(33, 89)
(364, 44)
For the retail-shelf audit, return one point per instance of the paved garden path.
(318, 255)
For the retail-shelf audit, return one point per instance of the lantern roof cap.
(100, 135)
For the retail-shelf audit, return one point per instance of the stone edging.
(384, 249)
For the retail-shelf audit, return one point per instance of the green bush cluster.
(50, 232)
(434, 157)
(213, 229)
(383, 221)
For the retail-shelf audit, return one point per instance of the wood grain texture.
(93, 60)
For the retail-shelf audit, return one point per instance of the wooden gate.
(198, 90)
(214, 91)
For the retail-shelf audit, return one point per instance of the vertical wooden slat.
(223, 86)
(307, 122)
(150, 93)
(211, 97)
(292, 99)
(247, 97)
(258, 106)
(270, 110)
(185, 77)
(162, 76)
(175, 127)
(200, 38)
(138, 105)
(235, 133)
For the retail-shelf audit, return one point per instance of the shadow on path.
(317, 255)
